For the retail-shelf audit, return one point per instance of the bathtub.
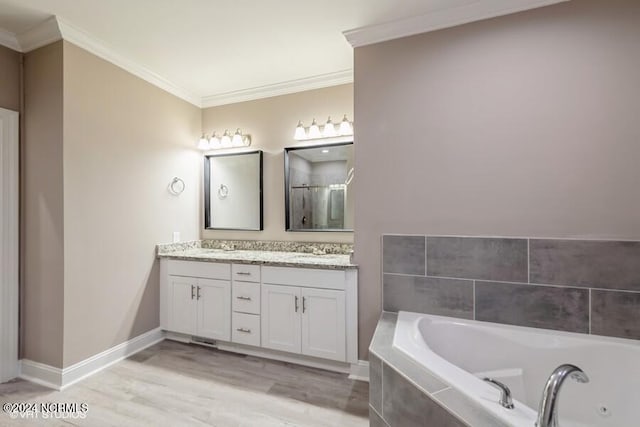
(462, 352)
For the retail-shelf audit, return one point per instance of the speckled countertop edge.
(334, 256)
(448, 397)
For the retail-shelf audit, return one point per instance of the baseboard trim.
(360, 371)
(41, 374)
(60, 379)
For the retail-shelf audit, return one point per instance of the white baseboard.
(360, 371)
(59, 379)
(40, 373)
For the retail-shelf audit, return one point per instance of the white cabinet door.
(214, 309)
(323, 323)
(182, 304)
(280, 321)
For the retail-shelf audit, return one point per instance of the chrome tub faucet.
(548, 411)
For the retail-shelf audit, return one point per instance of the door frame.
(9, 243)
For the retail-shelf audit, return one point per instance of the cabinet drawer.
(245, 329)
(207, 270)
(246, 272)
(305, 277)
(246, 297)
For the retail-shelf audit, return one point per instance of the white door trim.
(9, 249)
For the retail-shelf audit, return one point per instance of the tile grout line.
(474, 300)
(589, 311)
(528, 260)
(426, 272)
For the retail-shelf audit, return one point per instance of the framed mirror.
(317, 186)
(233, 191)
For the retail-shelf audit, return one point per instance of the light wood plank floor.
(175, 384)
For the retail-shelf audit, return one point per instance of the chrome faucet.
(505, 394)
(548, 411)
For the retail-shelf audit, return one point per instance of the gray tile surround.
(432, 295)
(403, 254)
(498, 259)
(375, 382)
(615, 314)
(376, 420)
(406, 406)
(586, 263)
(547, 307)
(510, 279)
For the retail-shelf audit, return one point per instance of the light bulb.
(314, 130)
(214, 142)
(329, 129)
(237, 139)
(203, 143)
(226, 139)
(345, 127)
(300, 134)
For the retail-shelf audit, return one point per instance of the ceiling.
(214, 50)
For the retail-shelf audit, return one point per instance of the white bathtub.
(461, 352)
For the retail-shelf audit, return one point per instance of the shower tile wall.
(585, 286)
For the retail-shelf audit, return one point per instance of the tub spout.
(548, 411)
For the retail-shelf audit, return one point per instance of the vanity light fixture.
(314, 130)
(346, 127)
(226, 141)
(328, 130)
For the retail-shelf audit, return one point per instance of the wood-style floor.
(175, 384)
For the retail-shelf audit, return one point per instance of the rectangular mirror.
(317, 187)
(233, 191)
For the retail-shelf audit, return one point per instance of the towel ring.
(350, 176)
(223, 191)
(177, 186)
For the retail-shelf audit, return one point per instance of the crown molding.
(476, 11)
(283, 88)
(8, 39)
(40, 35)
(104, 51)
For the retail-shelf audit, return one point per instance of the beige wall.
(271, 123)
(10, 63)
(42, 210)
(525, 125)
(124, 140)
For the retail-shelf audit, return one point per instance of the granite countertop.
(262, 257)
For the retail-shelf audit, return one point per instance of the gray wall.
(524, 125)
(42, 208)
(10, 76)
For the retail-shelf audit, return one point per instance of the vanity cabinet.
(196, 300)
(304, 311)
(304, 315)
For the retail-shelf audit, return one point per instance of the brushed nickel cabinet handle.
(243, 273)
(198, 293)
(296, 303)
(193, 292)
(244, 298)
(304, 303)
(246, 331)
